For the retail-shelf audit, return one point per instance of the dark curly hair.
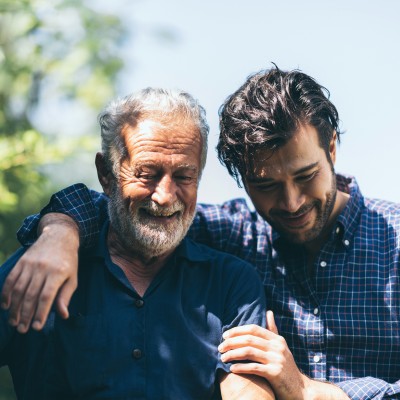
(266, 111)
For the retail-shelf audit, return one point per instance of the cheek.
(135, 191)
(188, 196)
(262, 202)
(320, 188)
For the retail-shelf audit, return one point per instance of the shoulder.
(385, 210)
(234, 207)
(220, 261)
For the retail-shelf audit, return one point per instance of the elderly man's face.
(154, 201)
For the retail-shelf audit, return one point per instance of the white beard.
(144, 235)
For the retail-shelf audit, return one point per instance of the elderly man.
(151, 306)
(329, 259)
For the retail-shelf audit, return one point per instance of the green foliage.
(51, 52)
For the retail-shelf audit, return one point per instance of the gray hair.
(137, 106)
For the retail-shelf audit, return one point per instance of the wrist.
(60, 226)
(317, 390)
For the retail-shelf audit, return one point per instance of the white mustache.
(153, 208)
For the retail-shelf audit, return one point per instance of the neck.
(313, 247)
(139, 268)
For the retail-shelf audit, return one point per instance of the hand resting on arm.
(47, 272)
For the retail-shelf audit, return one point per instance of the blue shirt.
(119, 345)
(342, 322)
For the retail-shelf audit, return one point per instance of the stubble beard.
(144, 235)
(321, 220)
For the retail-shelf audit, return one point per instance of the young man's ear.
(332, 147)
(104, 173)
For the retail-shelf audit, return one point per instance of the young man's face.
(294, 189)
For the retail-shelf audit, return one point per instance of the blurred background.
(62, 61)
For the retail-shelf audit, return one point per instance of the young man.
(328, 258)
(151, 305)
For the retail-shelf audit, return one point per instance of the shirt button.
(139, 303)
(346, 242)
(317, 359)
(137, 353)
(337, 231)
(316, 311)
(323, 264)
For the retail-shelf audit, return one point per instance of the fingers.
(14, 292)
(45, 297)
(245, 353)
(8, 287)
(264, 370)
(253, 330)
(253, 349)
(243, 341)
(28, 303)
(64, 297)
(271, 325)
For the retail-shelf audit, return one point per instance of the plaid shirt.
(342, 322)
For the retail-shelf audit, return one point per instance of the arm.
(46, 270)
(272, 360)
(244, 387)
(49, 267)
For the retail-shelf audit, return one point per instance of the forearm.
(316, 390)
(244, 387)
(87, 208)
(58, 227)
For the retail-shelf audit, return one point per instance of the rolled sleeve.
(87, 208)
(370, 388)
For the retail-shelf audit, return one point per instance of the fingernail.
(36, 325)
(21, 328)
(12, 322)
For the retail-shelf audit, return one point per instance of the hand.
(269, 355)
(271, 358)
(47, 271)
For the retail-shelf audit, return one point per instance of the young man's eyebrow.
(257, 179)
(306, 168)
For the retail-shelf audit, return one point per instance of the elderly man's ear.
(104, 173)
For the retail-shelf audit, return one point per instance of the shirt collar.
(348, 220)
(187, 249)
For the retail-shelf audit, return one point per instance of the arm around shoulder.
(47, 270)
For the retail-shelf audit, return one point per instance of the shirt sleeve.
(87, 207)
(223, 227)
(370, 388)
(245, 303)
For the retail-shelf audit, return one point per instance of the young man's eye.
(306, 178)
(267, 188)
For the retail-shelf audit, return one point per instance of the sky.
(209, 47)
